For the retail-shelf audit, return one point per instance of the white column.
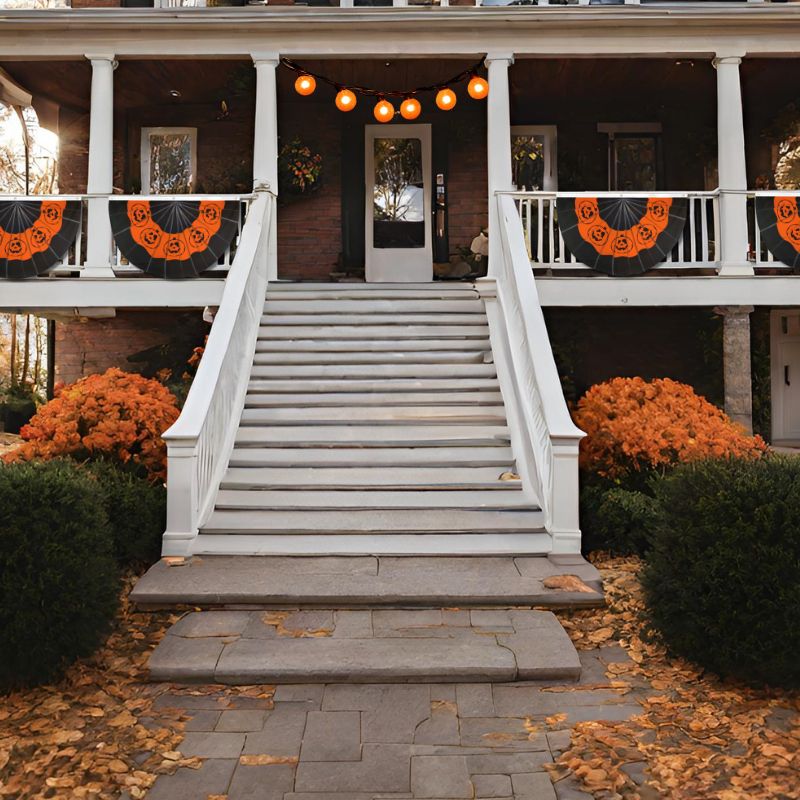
(265, 146)
(100, 181)
(498, 140)
(732, 170)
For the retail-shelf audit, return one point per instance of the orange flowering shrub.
(636, 426)
(117, 416)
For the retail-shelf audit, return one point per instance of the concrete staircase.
(374, 423)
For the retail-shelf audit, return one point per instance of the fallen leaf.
(263, 759)
(567, 583)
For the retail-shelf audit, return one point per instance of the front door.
(398, 230)
(786, 375)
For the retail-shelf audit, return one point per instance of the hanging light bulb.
(345, 100)
(446, 99)
(410, 108)
(305, 85)
(478, 87)
(384, 111)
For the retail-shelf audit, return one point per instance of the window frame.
(550, 135)
(146, 152)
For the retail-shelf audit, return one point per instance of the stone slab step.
(366, 385)
(441, 357)
(380, 646)
(367, 581)
(344, 292)
(389, 332)
(373, 371)
(416, 499)
(369, 304)
(370, 415)
(369, 478)
(265, 345)
(496, 457)
(324, 286)
(365, 318)
(374, 435)
(362, 399)
(372, 522)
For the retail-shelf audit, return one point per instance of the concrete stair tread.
(445, 357)
(373, 371)
(372, 522)
(368, 478)
(367, 581)
(356, 415)
(344, 292)
(345, 646)
(388, 332)
(287, 304)
(373, 435)
(368, 385)
(495, 456)
(330, 286)
(266, 345)
(410, 499)
(362, 399)
(368, 318)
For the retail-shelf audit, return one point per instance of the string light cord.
(369, 91)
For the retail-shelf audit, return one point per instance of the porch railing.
(549, 437)
(697, 248)
(199, 444)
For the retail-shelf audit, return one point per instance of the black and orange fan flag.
(779, 222)
(35, 235)
(173, 238)
(621, 235)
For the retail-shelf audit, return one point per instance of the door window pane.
(398, 210)
(527, 160)
(635, 163)
(171, 169)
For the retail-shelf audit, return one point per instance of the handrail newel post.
(182, 498)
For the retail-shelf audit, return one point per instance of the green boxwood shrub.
(616, 519)
(722, 580)
(137, 513)
(58, 579)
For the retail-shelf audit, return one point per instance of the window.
(169, 160)
(634, 156)
(533, 157)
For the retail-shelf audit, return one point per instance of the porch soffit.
(456, 31)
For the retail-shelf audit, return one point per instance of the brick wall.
(96, 3)
(84, 347)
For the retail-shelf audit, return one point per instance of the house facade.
(672, 123)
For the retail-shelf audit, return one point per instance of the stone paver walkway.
(390, 741)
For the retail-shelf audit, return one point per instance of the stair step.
(387, 385)
(346, 293)
(496, 456)
(370, 478)
(366, 318)
(327, 399)
(373, 522)
(434, 286)
(369, 436)
(374, 415)
(373, 370)
(383, 331)
(372, 305)
(413, 499)
(369, 345)
(341, 646)
(381, 357)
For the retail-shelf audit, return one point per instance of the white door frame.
(398, 264)
(550, 135)
(776, 340)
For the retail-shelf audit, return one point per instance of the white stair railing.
(549, 437)
(200, 442)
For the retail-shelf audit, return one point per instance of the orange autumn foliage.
(118, 416)
(633, 425)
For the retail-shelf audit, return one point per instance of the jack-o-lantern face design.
(16, 248)
(599, 235)
(139, 214)
(52, 213)
(150, 237)
(22, 245)
(788, 220)
(587, 210)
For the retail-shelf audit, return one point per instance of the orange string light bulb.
(305, 85)
(478, 88)
(410, 108)
(345, 100)
(446, 99)
(384, 111)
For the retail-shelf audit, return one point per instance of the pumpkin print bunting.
(35, 235)
(621, 235)
(779, 222)
(174, 238)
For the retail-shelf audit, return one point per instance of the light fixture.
(446, 99)
(174, 93)
(305, 85)
(410, 108)
(345, 100)
(478, 88)
(383, 111)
